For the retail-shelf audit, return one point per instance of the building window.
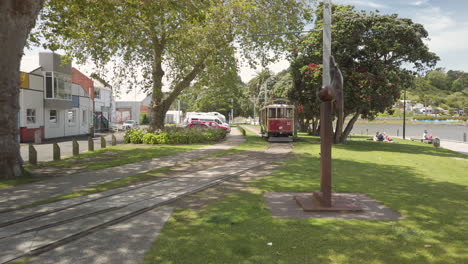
(71, 117)
(58, 85)
(97, 93)
(49, 86)
(85, 117)
(31, 116)
(53, 116)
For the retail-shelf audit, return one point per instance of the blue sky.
(445, 20)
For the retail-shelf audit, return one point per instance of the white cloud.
(247, 73)
(448, 37)
(419, 2)
(366, 3)
(435, 20)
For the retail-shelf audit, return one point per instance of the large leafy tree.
(373, 51)
(170, 41)
(217, 95)
(17, 18)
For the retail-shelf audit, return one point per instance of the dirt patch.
(284, 206)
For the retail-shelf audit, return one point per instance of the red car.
(197, 124)
(206, 124)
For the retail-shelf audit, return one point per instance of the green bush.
(174, 135)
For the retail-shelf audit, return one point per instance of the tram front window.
(288, 113)
(272, 113)
(281, 113)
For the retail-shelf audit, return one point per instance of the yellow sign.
(24, 80)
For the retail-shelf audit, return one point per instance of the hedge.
(174, 135)
(428, 117)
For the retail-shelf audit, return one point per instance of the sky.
(445, 20)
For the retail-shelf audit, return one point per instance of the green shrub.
(175, 135)
(150, 138)
(134, 136)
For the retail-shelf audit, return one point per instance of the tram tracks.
(87, 215)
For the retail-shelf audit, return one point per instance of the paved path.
(45, 151)
(455, 146)
(28, 193)
(62, 230)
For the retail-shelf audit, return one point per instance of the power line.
(285, 33)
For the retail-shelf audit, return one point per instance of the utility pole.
(255, 99)
(232, 111)
(404, 114)
(178, 112)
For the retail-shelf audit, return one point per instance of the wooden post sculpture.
(32, 155)
(76, 148)
(323, 200)
(56, 152)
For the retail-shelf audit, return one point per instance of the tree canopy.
(372, 50)
(170, 41)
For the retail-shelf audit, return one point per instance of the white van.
(220, 116)
(204, 117)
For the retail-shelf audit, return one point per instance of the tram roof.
(279, 106)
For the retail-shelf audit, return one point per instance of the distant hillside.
(448, 90)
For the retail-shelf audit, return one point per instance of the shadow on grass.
(238, 229)
(360, 143)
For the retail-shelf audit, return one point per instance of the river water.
(442, 131)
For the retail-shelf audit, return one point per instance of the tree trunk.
(339, 125)
(17, 18)
(349, 126)
(160, 106)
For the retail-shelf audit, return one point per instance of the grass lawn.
(6, 183)
(428, 186)
(118, 155)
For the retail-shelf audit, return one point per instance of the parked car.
(129, 124)
(213, 124)
(197, 124)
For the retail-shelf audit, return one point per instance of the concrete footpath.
(459, 147)
(28, 193)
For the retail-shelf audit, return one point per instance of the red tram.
(277, 121)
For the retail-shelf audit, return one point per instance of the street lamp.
(404, 114)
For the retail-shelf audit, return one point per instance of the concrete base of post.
(114, 140)
(76, 148)
(56, 152)
(38, 137)
(32, 155)
(103, 142)
(90, 144)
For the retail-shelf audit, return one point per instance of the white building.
(104, 105)
(127, 110)
(49, 102)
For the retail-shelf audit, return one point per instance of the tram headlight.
(280, 127)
